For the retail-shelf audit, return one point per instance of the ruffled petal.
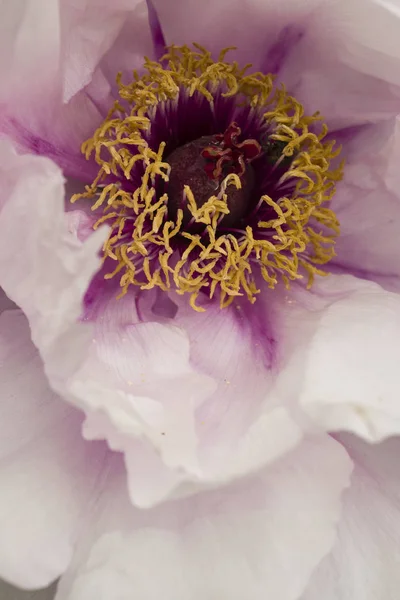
(254, 27)
(351, 370)
(364, 564)
(48, 473)
(266, 534)
(242, 424)
(367, 203)
(186, 399)
(138, 385)
(44, 268)
(314, 79)
(363, 35)
(57, 49)
(342, 61)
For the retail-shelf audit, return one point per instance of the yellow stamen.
(299, 238)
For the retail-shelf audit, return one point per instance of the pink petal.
(364, 562)
(5, 302)
(43, 267)
(190, 436)
(80, 224)
(363, 34)
(367, 202)
(345, 62)
(351, 372)
(266, 534)
(240, 426)
(185, 399)
(90, 29)
(315, 80)
(317, 47)
(253, 26)
(139, 380)
(48, 473)
(132, 44)
(56, 49)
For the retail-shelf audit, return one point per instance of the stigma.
(203, 165)
(211, 179)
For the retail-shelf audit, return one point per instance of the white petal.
(138, 375)
(43, 267)
(346, 62)
(29, 42)
(364, 564)
(367, 203)
(253, 27)
(267, 534)
(48, 472)
(364, 34)
(185, 399)
(242, 425)
(119, 371)
(89, 30)
(351, 375)
(56, 49)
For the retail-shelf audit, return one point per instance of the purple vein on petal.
(289, 37)
(156, 30)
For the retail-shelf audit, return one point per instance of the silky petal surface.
(60, 56)
(48, 472)
(51, 268)
(238, 347)
(252, 26)
(364, 564)
(267, 533)
(345, 65)
(350, 377)
(170, 390)
(200, 414)
(137, 383)
(367, 203)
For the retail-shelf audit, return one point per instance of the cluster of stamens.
(209, 213)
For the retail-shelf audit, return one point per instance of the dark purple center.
(203, 164)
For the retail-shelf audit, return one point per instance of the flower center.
(211, 178)
(203, 165)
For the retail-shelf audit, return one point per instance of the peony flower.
(201, 313)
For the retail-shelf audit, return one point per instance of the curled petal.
(267, 533)
(42, 457)
(367, 203)
(68, 95)
(370, 521)
(350, 378)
